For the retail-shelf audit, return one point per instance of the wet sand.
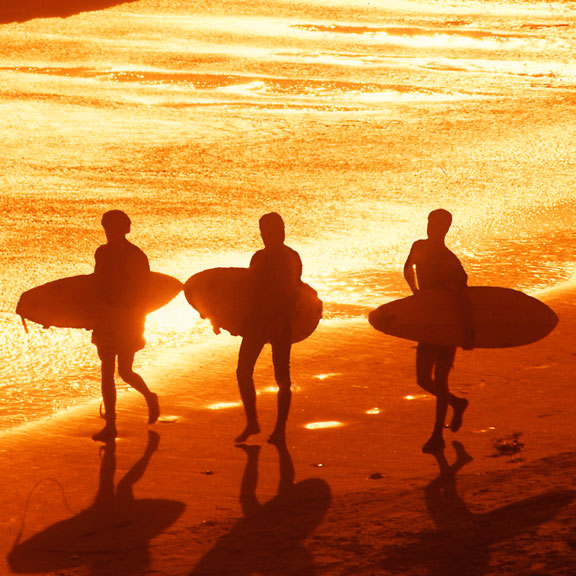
(363, 498)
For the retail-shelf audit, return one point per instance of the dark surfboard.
(501, 318)
(224, 295)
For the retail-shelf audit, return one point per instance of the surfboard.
(71, 302)
(501, 318)
(224, 294)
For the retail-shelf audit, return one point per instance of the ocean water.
(353, 119)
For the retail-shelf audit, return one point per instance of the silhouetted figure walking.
(432, 266)
(122, 275)
(276, 272)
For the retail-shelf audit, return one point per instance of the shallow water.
(352, 121)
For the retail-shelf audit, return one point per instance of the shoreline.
(370, 465)
(223, 343)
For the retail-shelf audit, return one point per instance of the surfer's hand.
(215, 327)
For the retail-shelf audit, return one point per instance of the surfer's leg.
(444, 359)
(281, 359)
(425, 359)
(425, 368)
(459, 405)
(445, 362)
(250, 349)
(125, 363)
(108, 367)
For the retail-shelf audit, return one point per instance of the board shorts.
(269, 327)
(119, 329)
(276, 331)
(440, 354)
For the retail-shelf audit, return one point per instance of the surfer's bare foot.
(459, 406)
(250, 430)
(434, 445)
(153, 408)
(106, 434)
(278, 437)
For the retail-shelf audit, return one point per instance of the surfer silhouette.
(431, 265)
(276, 272)
(122, 274)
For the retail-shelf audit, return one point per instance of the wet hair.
(116, 219)
(271, 220)
(272, 227)
(442, 219)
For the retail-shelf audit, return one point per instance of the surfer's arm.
(459, 287)
(98, 261)
(409, 273)
(140, 280)
(99, 273)
(255, 261)
(459, 279)
(298, 269)
(463, 301)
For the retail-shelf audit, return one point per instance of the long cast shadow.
(461, 544)
(270, 538)
(23, 10)
(113, 534)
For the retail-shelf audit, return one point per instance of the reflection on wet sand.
(112, 535)
(462, 541)
(270, 538)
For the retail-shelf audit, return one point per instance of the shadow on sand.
(23, 10)
(462, 540)
(270, 538)
(112, 535)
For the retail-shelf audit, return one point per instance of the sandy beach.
(355, 498)
(353, 120)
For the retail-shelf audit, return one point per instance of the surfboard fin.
(24, 324)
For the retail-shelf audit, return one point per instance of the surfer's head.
(116, 223)
(439, 222)
(272, 229)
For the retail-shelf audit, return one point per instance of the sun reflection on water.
(224, 405)
(197, 122)
(323, 425)
(326, 376)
